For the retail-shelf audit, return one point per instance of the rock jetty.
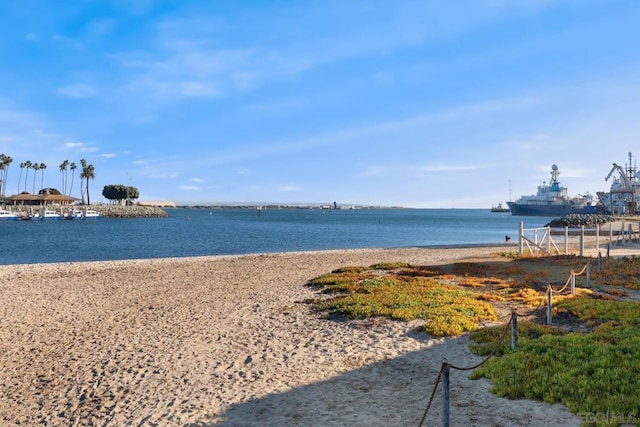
(107, 211)
(577, 220)
(133, 211)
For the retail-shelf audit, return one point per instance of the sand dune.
(229, 341)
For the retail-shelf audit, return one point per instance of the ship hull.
(549, 210)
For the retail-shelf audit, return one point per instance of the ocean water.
(196, 232)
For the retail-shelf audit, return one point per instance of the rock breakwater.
(130, 211)
(577, 220)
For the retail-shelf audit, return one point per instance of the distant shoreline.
(287, 206)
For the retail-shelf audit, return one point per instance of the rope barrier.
(504, 317)
(564, 287)
(571, 275)
(445, 363)
(433, 394)
(493, 352)
(583, 270)
(512, 317)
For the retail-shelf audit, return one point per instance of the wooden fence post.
(588, 274)
(514, 329)
(566, 240)
(549, 303)
(599, 262)
(445, 395)
(573, 283)
(610, 237)
(521, 239)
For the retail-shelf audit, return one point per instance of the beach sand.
(227, 340)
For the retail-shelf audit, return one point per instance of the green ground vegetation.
(594, 373)
(589, 360)
(404, 293)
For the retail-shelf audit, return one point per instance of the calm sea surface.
(195, 232)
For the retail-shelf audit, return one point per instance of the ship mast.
(631, 170)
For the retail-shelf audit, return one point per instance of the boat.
(47, 214)
(74, 214)
(6, 215)
(552, 199)
(91, 214)
(500, 208)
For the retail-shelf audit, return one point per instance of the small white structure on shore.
(159, 204)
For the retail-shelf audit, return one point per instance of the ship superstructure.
(623, 197)
(552, 199)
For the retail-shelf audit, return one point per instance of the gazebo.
(46, 197)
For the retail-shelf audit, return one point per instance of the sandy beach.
(227, 340)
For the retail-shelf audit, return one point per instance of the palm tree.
(72, 167)
(27, 165)
(3, 168)
(22, 166)
(83, 167)
(63, 171)
(6, 161)
(36, 168)
(88, 172)
(42, 168)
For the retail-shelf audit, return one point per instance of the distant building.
(46, 197)
(159, 204)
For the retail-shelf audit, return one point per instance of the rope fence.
(571, 283)
(443, 374)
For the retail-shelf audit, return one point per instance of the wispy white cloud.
(189, 188)
(77, 91)
(198, 180)
(253, 188)
(244, 171)
(102, 26)
(108, 155)
(289, 188)
(415, 123)
(187, 54)
(532, 143)
(81, 147)
(196, 89)
(280, 106)
(184, 69)
(442, 167)
(153, 172)
(372, 171)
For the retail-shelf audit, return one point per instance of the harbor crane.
(624, 192)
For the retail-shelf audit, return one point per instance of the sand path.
(226, 341)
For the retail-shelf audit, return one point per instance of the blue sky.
(433, 104)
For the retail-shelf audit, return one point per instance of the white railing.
(538, 241)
